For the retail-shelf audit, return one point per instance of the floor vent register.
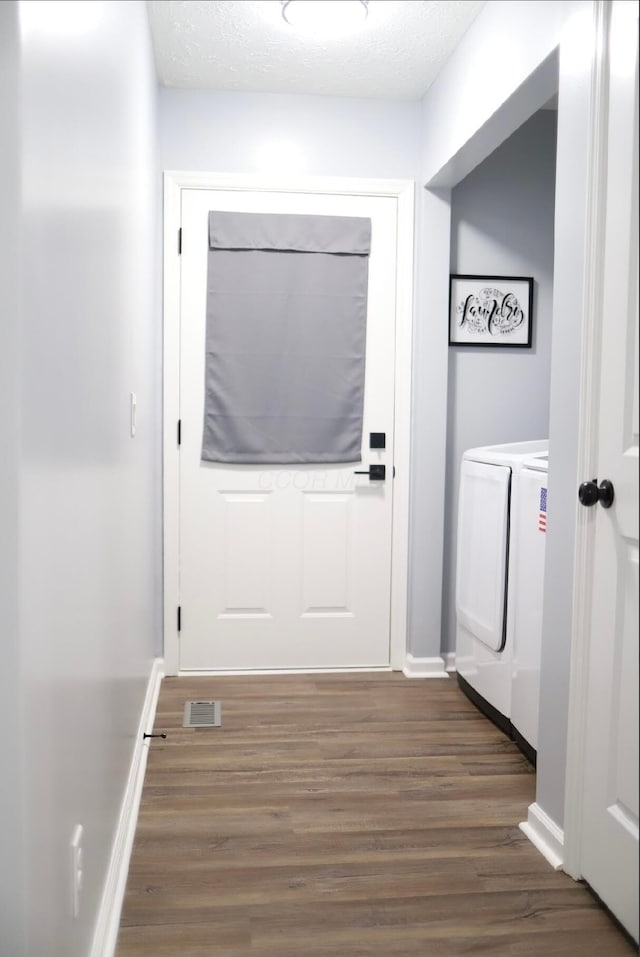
(202, 714)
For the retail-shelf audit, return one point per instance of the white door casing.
(222, 555)
(601, 830)
(285, 566)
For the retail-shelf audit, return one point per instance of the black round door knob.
(590, 492)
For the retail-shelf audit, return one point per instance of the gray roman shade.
(285, 339)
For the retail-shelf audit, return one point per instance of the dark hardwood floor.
(343, 816)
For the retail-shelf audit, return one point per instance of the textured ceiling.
(246, 45)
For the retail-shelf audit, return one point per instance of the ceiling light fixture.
(325, 16)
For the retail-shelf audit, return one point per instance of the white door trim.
(587, 455)
(403, 191)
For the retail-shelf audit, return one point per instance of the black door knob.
(590, 492)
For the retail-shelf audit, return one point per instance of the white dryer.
(486, 549)
(526, 600)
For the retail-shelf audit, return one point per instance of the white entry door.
(284, 567)
(609, 844)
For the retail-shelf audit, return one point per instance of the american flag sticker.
(542, 514)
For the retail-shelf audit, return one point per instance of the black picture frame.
(490, 311)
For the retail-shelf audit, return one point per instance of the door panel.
(625, 790)
(283, 566)
(610, 821)
(247, 526)
(325, 534)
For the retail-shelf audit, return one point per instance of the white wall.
(503, 71)
(498, 75)
(273, 133)
(12, 901)
(86, 333)
(501, 225)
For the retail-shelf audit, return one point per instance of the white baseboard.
(449, 661)
(107, 925)
(249, 672)
(424, 668)
(545, 835)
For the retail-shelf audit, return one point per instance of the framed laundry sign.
(490, 311)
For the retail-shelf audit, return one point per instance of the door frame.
(401, 190)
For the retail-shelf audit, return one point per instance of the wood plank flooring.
(343, 816)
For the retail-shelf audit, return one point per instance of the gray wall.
(501, 224)
(80, 546)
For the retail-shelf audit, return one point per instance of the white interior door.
(285, 567)
(609, 844)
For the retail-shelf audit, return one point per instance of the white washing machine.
(487, 545)
(526, 595)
